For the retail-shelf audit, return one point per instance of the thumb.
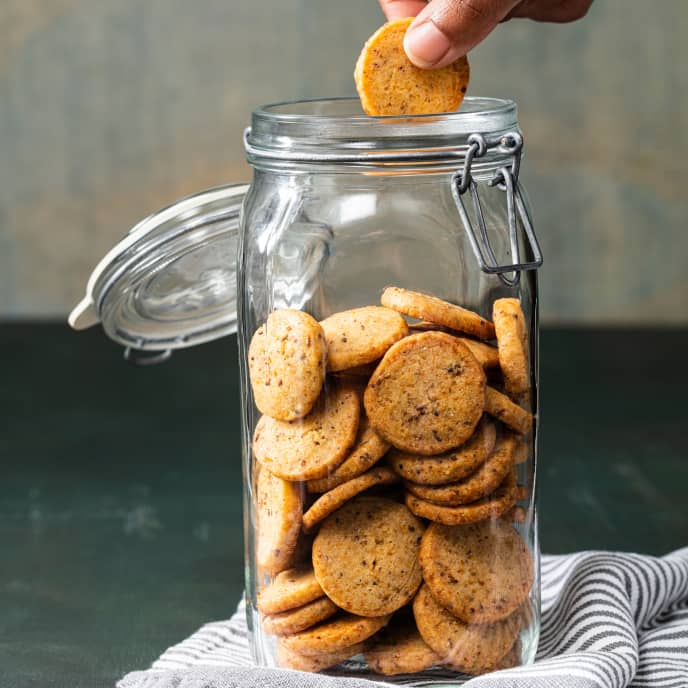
(447, 29)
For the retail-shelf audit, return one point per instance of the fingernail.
(425, 44)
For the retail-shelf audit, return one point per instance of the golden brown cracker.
(299, 619)
(501, 407)
(286, 363)
(304, 544)
(362, 371)
(487, 355)
(517, 514)
(481, 573)
(521, 492)
(324, 660)
(522, 452)
(400, 650)
(427, 307)
(482, 482)
(499, 502)
(369, 448)
(510, 660)
(335, 634)
(427, 394)
(470, 648)
(313, 446)
(279, 506)
(427, 326)
(365, 556)
(388, 83)
(449, 467)
(512, 343)
(361, 335)
(333, 499)
(291, 589)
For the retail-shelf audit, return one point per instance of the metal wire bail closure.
(506, 179)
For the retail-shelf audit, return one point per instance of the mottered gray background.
(110, 109)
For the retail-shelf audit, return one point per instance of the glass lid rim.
(268, 111)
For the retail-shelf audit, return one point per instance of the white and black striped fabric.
(609, 620)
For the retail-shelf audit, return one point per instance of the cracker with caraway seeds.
(388, 83)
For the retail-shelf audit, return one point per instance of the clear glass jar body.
(324, 232)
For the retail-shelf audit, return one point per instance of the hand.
(446, 29)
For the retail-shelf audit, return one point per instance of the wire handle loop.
(506, 179)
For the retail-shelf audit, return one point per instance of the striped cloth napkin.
(609, 620)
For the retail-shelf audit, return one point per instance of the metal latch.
(506, 179)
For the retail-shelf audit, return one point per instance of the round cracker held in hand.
(388, 83)
(365, 556)
(313, 446)
(361, 335)
(286, 363)
(427, 394)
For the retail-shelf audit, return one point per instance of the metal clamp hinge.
(506, 179)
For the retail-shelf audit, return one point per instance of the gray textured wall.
(112, 108)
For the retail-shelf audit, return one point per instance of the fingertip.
(400, 9)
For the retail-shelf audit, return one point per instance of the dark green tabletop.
(120, 507)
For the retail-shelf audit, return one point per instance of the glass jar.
(382, 272)
(389, 447)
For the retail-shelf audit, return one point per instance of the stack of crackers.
(385, 484)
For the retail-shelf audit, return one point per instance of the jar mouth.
(347, 109)
(336, 129)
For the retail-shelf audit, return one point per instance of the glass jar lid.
(170, 282)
